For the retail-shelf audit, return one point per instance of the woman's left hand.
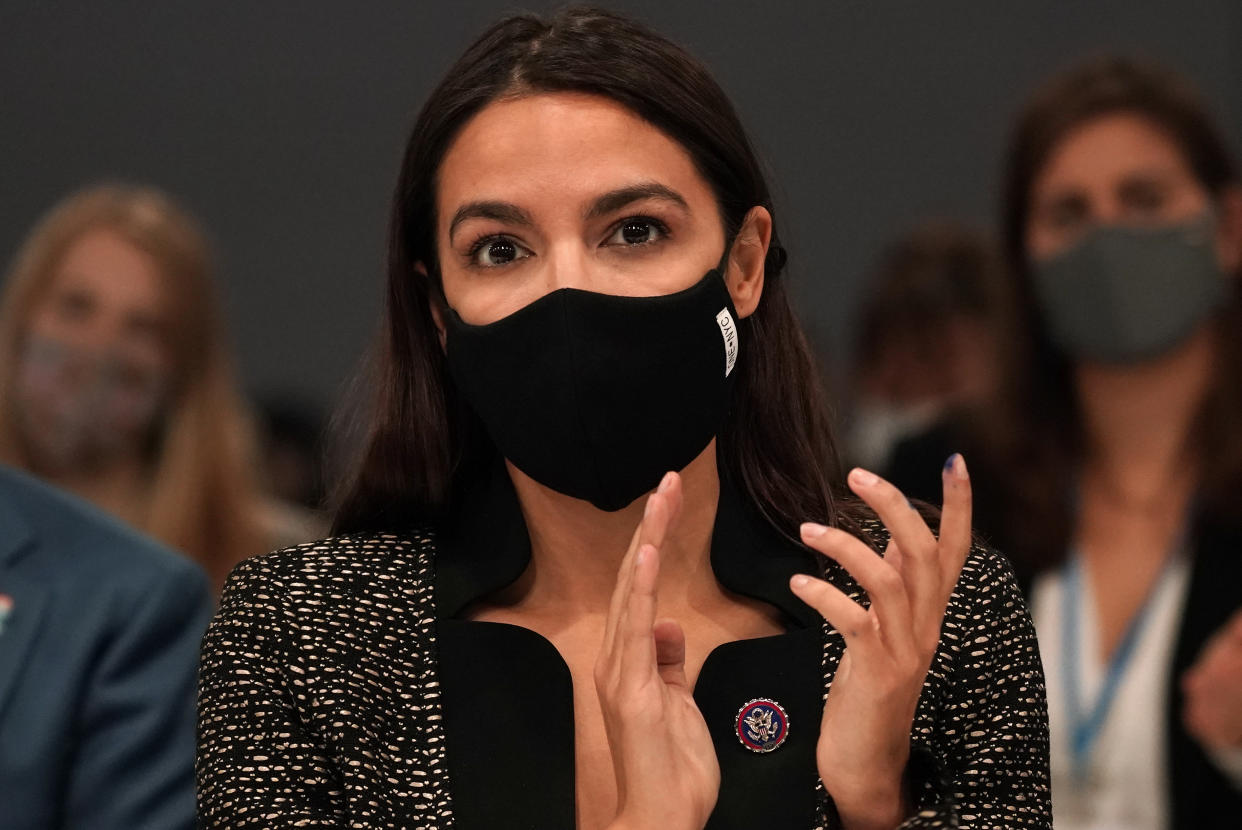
(864, 741)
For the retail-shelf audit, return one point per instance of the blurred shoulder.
(335, 599)
(73, 541)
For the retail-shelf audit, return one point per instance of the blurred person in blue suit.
(99, 636)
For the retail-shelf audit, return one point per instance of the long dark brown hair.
(1034, 441)
(423, 441)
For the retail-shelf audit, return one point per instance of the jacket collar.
(485, 546)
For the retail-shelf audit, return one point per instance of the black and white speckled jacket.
(328, 684)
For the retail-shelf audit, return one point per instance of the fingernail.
(800, 581)
(863, 478)
(647, 507)
(643, 554)
(956, 465)
(665, 483)
(812, 530)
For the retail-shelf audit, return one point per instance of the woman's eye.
(1066, 214)
(75, 305)
(637, 231)
(498, 250)
(144, 328)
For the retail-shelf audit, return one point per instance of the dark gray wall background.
(281, 125)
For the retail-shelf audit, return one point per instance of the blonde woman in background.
(117, 384)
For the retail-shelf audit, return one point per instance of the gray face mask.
(1124, 294)
(79, 408)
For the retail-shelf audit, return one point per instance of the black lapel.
(1201, 796)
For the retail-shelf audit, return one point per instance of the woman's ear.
(744, 271)
(436, 300)
(1229, 242)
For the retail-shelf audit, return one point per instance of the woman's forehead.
(104, 259)
(1108, 147)
(560, 149)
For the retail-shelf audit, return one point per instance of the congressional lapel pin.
(762, 725)
(6, 608)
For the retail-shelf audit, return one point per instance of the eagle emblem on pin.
(762, 725)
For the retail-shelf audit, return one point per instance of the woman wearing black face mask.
(585, 293)
(1113, 468)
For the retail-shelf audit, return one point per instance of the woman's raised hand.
(1213, 690)
(666, 768)
(864, 741)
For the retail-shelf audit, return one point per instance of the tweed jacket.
(320, 702)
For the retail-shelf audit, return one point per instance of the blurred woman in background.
(116, 380)
(1111, 470)
(936, 316)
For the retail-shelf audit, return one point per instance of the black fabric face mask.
(597, 396)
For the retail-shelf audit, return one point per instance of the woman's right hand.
(662, 754)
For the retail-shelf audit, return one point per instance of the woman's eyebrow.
(616, 199)
(506, 212)
(1146, 176)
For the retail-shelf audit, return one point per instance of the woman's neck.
(576, 549)
(120, 488)
(1138, 420)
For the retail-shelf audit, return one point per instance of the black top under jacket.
(508, 698)
(340, 687)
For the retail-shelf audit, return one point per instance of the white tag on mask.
(728, 330)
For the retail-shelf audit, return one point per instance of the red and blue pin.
(762, 725)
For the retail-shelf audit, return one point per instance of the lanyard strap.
(1086, 725)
